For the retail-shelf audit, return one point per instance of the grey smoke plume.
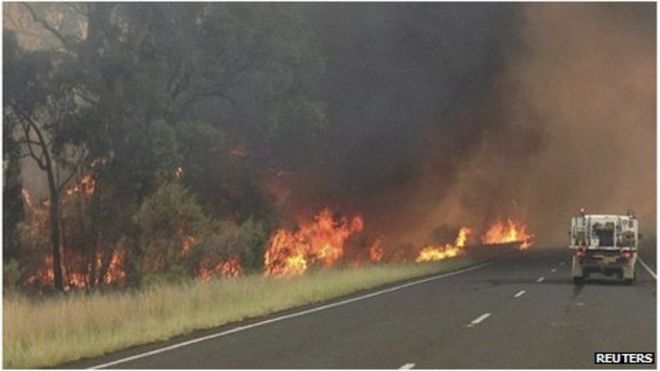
(578, 103)
(461, 114)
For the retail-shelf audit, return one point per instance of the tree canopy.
(130, 96)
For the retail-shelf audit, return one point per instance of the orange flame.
(78, 278)
(116, 271)
(44, 273)
(318, 242)
(238, 152)
(435, 253)
(509, 231)
(86, 185)
(27, 197)
(187, 243)
(229, 268)
(376, 251)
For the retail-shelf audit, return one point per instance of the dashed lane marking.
(478, 320)
(287, 316)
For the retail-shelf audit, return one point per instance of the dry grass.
(47, 332)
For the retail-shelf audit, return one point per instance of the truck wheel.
(578, 280)
(628, 281)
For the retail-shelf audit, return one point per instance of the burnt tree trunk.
(48, 167)
(54, 213)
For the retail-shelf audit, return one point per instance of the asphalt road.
(522, 312)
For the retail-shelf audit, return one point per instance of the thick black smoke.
(461, 114)
(407, 89)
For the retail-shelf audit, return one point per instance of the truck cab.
(604, 243)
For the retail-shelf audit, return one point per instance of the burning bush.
(317, 242)
(253, 240)
(168, 220)
(439, 252)
(87, 261)
(217, 253)
(177, 241)
(175, 234)
(508, 231)
(376, 251)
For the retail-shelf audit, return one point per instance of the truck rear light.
(626, 254)
(579, 253)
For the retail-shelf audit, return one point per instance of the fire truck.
(606, 244)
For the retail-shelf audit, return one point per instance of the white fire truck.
(604, 243)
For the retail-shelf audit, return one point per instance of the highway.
(520, 312)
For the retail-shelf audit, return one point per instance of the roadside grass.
(52, 331)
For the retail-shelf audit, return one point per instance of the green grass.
(48, 332)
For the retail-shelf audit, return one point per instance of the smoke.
(460, 114)
(578, 100)
(456, 114)
(404, 85)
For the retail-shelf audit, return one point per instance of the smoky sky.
(394, 74)
(460, 114)
(403, 84)
(457, 114)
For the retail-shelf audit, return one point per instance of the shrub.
(253, 240)
(10, 275)
(167, 221)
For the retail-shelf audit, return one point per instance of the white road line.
(540, 279)
(292, 315)
(553, 270)
(562, 263)
(478, 320)
(407, 366)
(519, 294)
(648, 269)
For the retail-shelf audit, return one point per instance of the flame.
(462, 236)
(238, 152)
(78, 268)
(116, 271)
(509, 231)
(229, 268)
(376, 251)
(75, 274)
(44, 273)
(76, 280)
(285, 254)
(435, 253)
(320, 241)
(187, 243)
(27, 197)
(86, 185)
